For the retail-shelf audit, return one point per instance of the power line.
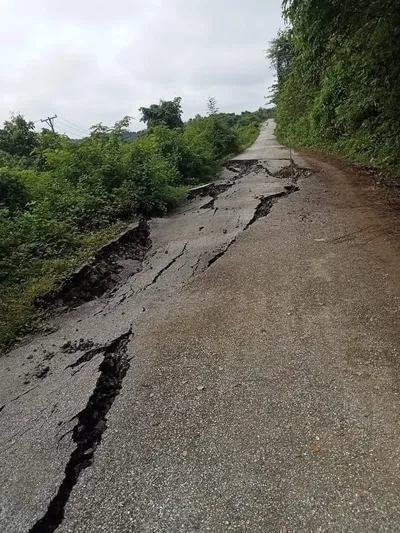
(71, 131)
(63, 128)
(71, 134)
(65, 124)
(74, 125)
(49, 121)
(77, 130)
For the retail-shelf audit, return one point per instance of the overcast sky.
(95, 61)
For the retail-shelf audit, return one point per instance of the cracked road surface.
(246, 379)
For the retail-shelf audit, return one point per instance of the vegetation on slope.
(338, 78)
(59, 200)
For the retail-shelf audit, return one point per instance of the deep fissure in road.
(263, 209)
(266, 203)
(89, 429)
(221, 253)
(101, 272)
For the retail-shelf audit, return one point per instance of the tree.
(281, 53)
(212, 107)
(167, 113)
(18, 136)
(121, 126)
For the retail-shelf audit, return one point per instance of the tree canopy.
(167, 113)
(17, 136)
(338, 78)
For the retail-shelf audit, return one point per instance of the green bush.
(149, 175)
(13, 194)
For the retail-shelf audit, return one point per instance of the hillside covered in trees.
(60, 199)
(338, 78)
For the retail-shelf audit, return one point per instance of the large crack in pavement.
(167, 266)
(264, 207)
(262, 210)
(220, 253)
(103, 271)
(240, 168)
(89, 429)
(293, 172)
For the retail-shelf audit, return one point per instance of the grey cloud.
(92, 61)
(88, 13)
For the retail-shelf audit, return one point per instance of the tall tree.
(212, 107)
(167, 113)
(281, 53)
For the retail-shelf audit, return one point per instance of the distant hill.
(131, 135)
(127, 136)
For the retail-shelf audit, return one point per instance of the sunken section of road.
(58, 390)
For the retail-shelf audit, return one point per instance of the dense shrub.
(13, 194)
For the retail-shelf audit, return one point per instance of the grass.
(247, 136)
(18, 314)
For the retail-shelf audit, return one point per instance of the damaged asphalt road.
(53, 390)
(242, 377)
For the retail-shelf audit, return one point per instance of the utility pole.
(291, 161)
(49, 121)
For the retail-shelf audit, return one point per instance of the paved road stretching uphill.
(247, 379)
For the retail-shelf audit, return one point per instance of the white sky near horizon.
(96, 61)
